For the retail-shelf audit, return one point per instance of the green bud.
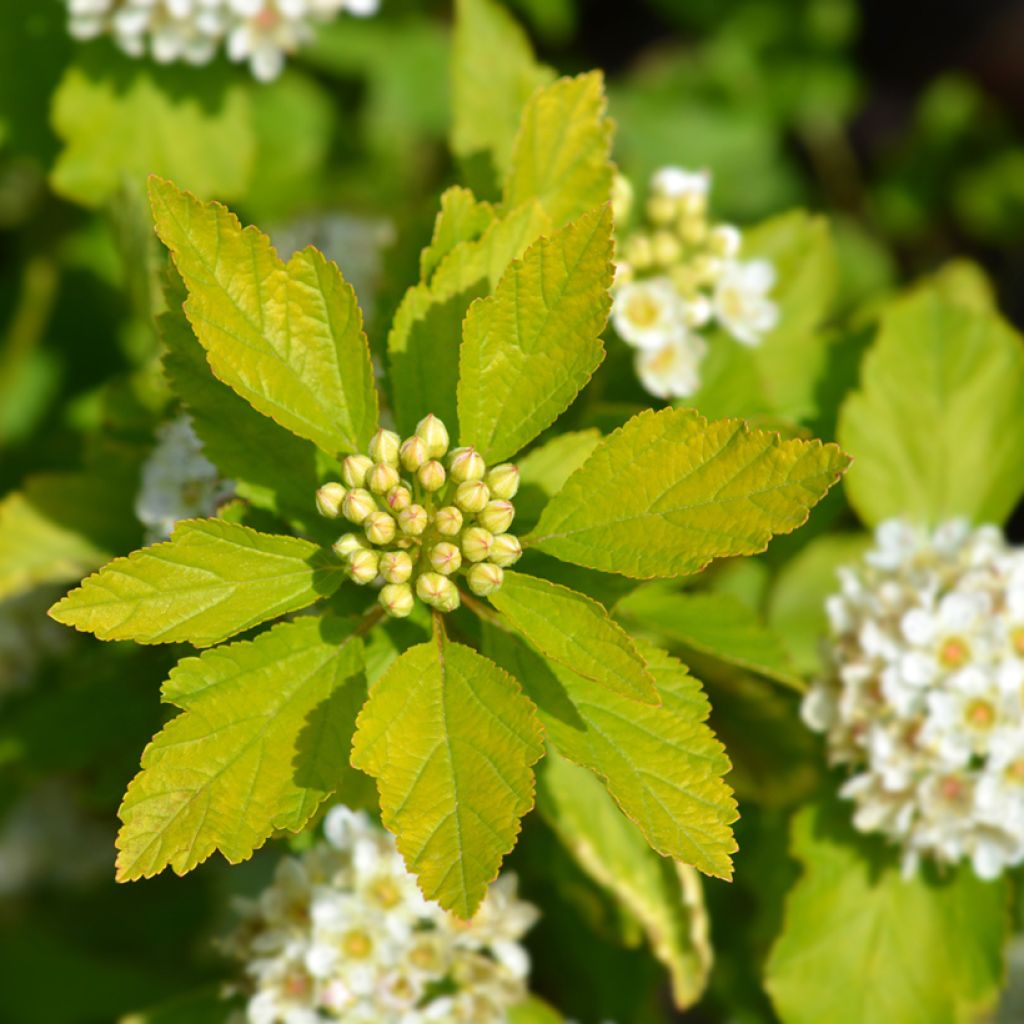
(448, 521)
(384, 447)
(661, 209)
(666, 247)
(431, 476)
(466, 464)
(413, 453)
(622, 198)
(477, 543)
(434, 435)
(686, 280)
(395, 566)
(379, 527)
(357, 505)
(362, 566)
(506, 550)
(503, 481)
(472, 496)
(497, 516)
(693, 204)
(692, 230)
(707, 268)
(398, 498)
(328, 500)
(382, 478)
(354, 470)
(348, 543)
(445, 558)
(412, 521)
(485, 578)
(638, 251)
(438, 591)
(396, 599)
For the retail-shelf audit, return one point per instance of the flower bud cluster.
(924, 696)
(261, 32)
(343, 934)
(426, 516)
(681, 272)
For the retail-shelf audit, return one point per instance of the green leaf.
(263, 740)
(212, 579)
(530, 348)
(576, 632)
(533, 1011)
(462, 218)
(451, 740)
(287, 337)
(120, 117)
(662, 765)
(663, 896)
(720, 625)
(668, 492)
(562, 154)
(544, 470)
(937, 428)
(860, 944)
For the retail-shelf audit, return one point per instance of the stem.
(369, 620)
(483, 612)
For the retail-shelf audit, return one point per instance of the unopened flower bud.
(666, 248)
(412, 521)
(431, 476)
(477, 543)
(396, 599)
(398, 498)
(497, 516)
(357, 505)
(395, 566)
(472, 496)
(438, 591)
(708, 268)
(724, 240)
(466, 464)
(384, 447)
(354, 469)
(413, 453)
(693, 204)
(379, 527)
(445, 558)
(622, 198)
(328, 500)
(692, 230)
(503, 481)
(434, 435)
(686, 280)
(661, 209)
(347, 543)
(485, 578)
(448, 521)
(382, 478)
(638, 251)
(362, 566)
(506, 550)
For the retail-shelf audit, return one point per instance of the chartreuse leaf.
(562, 154)
(665, 897)
(534, 1011)
(663, 765)
(937, 427)
(531, 347)
(263, 740)
(212, 579)
(575, 631)
(720, 625)
(287, 337)
(861, 944)
(463, 218)
(668, 492)
(451, 740)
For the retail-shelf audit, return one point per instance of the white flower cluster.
(261, 32)
(344, 934)
(178, 481)
(925, 697)
(681, 272)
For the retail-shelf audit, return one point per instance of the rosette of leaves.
(499, 336)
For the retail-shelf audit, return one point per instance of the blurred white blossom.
(924, 700)
(344, 934)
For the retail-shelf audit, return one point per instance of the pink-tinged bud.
(476, 544)
(379, 527)
(448, 521)
(382, 478)
(395, 566)
(506, 550)
(398, 498)
(466, 464)
(472, 496)
(438, 591)
(503, 481)
(497, 516)
(431, 476)
(485, 578)
(445, 558)
(396, 599)
(412, 521)
(348, 543)
(434, 435)
(329, 499)
(413, 453)
(354, 470)
(384, 447)
(362, 566)
(357, 505)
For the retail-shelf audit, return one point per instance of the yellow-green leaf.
(451, 740)
(287, 337)
(263, 740)
(669, 492)
(212, 579)
(462, 218)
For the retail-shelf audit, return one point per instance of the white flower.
(741, 303)
(674, 182)
(673, 371)
(647, 313)
(925, 697)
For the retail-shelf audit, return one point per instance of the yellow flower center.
(386, 893)
(981, 714)
(642, 310)
(357, 945)
(1017, 640)
(953, 652)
